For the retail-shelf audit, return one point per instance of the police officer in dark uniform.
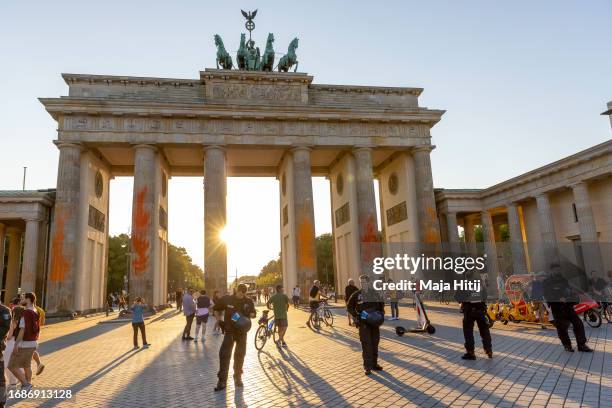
(368, 311)
(474, 309)
(239, 309)
(561, 300)
(5, 324)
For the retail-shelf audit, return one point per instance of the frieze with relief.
(246, 127)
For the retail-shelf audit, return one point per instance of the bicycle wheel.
(328, 317)
(261, 335)
(315, 321)
(607, 312)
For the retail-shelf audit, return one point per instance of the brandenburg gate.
(233, 123)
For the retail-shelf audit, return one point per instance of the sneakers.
(26, 387)
(40, 369)
(195, 339)
(188, 338)
(238, 382)
(220, 386)
(568, 348)
(469, 356)
(135, 348)
(283, 344)
(377, 367)
(489, 353)
(367, 371)
(146, 345)
(203, 338)
(585, 349)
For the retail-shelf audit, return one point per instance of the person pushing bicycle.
(314, 298)
(279, 302)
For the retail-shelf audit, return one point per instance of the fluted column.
(429, 232)
(65, 231)
(306, 257)
(469, 235)
(593, 262)
(14, 263)
(452, 232)
(144, 222)
(488, 234)
(215, 195)
(547, 230)
(519, 263)
(366, 209)
(30, 255)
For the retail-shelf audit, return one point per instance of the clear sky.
(523, 83)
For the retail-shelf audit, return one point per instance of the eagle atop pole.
(250, 24)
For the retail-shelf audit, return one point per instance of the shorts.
(281, 322)
(202, 319)
(22, 358)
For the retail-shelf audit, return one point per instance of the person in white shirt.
(295, 297)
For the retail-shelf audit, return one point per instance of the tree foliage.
(182, 272)
(324, 245)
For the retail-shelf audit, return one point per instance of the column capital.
(144, 146)
(298, 148)
(578, 184)
(512, 204)
(220, 147)
(65, 145)
(423, 148)
(362, 148)
(33, 219)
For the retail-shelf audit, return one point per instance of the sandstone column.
(65, 232)
(593, 262)
(14, 263)
(519, 264)
(30, 255)
(144, 223)
(490, 247)
(306, 257)
(469, 235)
(2, 245)
(547, 230)
(453, 233)
(369, 242)
(429, 233)
(215, 194)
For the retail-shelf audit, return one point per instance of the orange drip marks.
(140, 240)
(59, 264)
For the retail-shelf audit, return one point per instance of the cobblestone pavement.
(530, 368)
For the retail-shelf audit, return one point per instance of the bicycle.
(267, 328)
(322, 314)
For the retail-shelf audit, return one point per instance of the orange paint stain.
(306, 252)
(60, 264)
(140, 229)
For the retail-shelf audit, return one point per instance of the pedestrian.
(36, 356)
(314, 299)
(238, 310)
(109, 303)
(258, 295)
(17, 311)
(394, 297)
(189, 312)
(561, 299)
(266, 294)
(279, 302)
(295, 297)
(202, 312)
(179, 299)
(348, 291)
(5, 327)
(26, 343)
(368, 310)
(474, 309)
(218, 327)
(122, 305)
(138, 309)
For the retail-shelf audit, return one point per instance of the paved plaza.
(529, 368)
